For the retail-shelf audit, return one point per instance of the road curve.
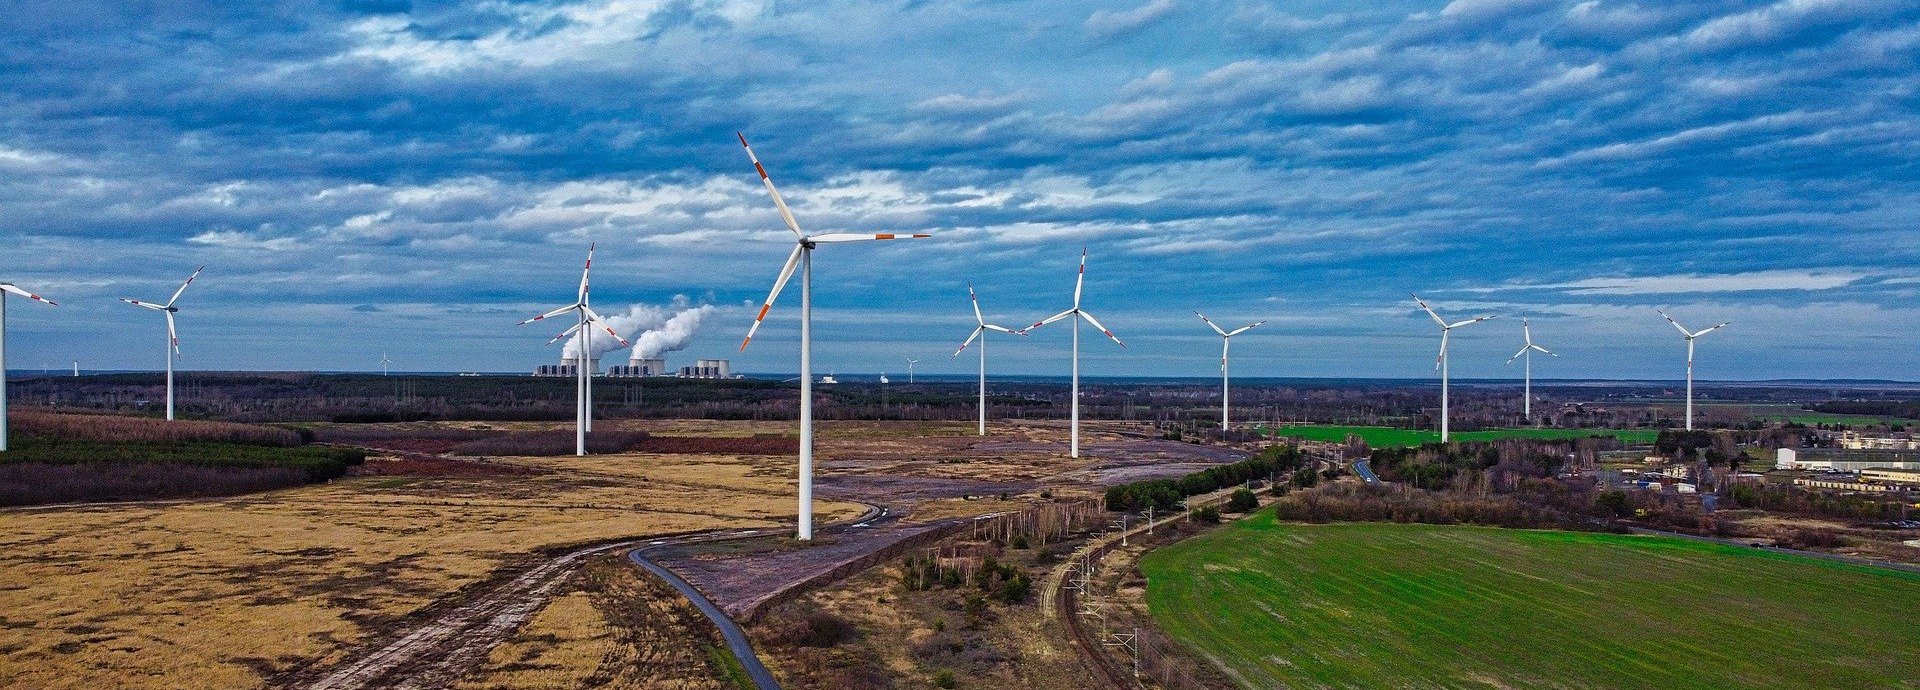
(736, 638)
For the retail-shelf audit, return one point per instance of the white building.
(1844, 461)
(568, 367)
(708, 369)
(1854, 440)
(645, 366)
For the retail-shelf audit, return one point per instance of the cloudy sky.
(373, 176)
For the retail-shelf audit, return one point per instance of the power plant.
(641, 368)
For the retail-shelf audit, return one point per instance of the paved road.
(736, 638)
(1364, 468)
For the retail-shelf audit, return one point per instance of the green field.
(1391, 605)
(1390, 437)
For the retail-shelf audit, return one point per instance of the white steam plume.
(652, 329)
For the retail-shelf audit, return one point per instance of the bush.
(944, 679)
(1208, 515)
(1243, 501)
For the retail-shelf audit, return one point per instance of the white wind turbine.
(1441, 361)
(384, 363)
(802, 258)
(5, 289)
(1527, 350)
(1226, 339)
(173, 338)
(1690, 335)
(1076, 311)
(977, 333)
(910, 362)
(587, 321)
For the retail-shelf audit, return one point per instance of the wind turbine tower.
(587, 321)
(1527, 350)
(1690, 336)
(1441, 361)
(978, 332)
(802, 258)
(6, 289)
(1078, 314)
(1226, 340)
(384, 363)
(173, 337)
(910, 362)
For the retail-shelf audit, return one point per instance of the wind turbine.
(977, 331)
(581, 331)
(1076, 311)
(173, 338)
(6, 288)
(802, 258)
(1226, 339)
(1690, 335)
(1528, 350)
(1441, 361)
(910, 362)
(384, 363)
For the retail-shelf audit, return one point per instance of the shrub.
(1208, 515)
(944, 679)
(1242, 501)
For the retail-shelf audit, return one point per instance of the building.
(708, 369)
(568, 367)
(1854, 440)
(1843, 484)
(1844, 460)
(1888, 475)
(650, 366)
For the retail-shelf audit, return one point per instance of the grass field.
(1388, 605)
(1389, 437)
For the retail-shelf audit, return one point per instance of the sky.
(413, 178)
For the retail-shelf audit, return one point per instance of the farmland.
(1384, 605)
(1389, 437)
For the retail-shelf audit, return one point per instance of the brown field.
(244, 592)
(232, 592)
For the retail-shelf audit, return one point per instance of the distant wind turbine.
(978, 332)
(6, 289)
(173, 337)
(1690, 335)
(1441, 361)
(587, 321)
(384, 363)
(802, 258)
(910, 362)
(1226, 339)
(1076, 311)
(1527, 351)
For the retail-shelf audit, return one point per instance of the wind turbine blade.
(1002, 329)
(1676, 324)
(1526, 330)
(575, 328)
(976, 305)
(1443, 349)
(1242, 329)
(173, 337)
(595, 318)
(1081, 280)
(861, 237)
(1710, 330)
(786, 272)
(1210, 324)
(585, 271)
(1103, 329)
(143, 305)
(1429, 310)
(785, 214)
(1516, 355)
(1467, 322)
(1542, 349)
(549, 315)
(970, 339)
(183, 286)
(1050, 319)
(9, 287)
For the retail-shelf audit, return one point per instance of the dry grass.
(224, 593)
(559, 648)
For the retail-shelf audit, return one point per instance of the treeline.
(118, 428)
(1000, 581)
(1166, 494)
(500, 442)
(1818, 503)
(1351, 502)
(1484, 466)
(1908, 409)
